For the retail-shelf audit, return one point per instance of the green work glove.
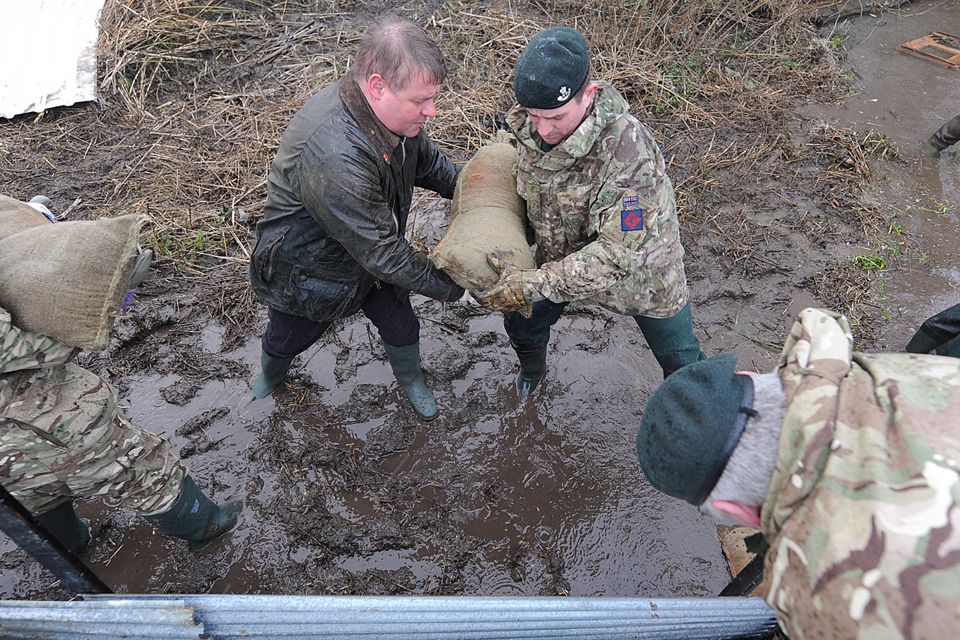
(507, 294)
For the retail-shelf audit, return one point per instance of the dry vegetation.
(195, 94)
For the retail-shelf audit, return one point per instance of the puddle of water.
(211, 338)
(908, 99)
(477, 372)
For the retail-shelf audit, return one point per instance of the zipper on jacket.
(403, 160)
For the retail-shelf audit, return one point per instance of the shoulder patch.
(631, 215)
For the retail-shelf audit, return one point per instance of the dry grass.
(195, 95)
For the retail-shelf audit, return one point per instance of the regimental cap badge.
(551, 69)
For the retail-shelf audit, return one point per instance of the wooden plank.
(938, 47)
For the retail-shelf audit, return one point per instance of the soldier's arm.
(27, 350)
(626, 215)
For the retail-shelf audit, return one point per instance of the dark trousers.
(395, 320)
(671, 339)
(947, 135)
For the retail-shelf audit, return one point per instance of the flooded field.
(346, 492)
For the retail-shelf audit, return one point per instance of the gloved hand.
(507, 294)
(141, 268)
(42, 204)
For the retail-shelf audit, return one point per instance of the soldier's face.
(403, 111)
(555, 125)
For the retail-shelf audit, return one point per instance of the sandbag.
(68, 280)
(486, 215)
(15, 216)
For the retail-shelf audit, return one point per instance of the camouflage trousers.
(62, 436)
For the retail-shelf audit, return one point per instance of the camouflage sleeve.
(817, 334)
(862, 513)
(634, 219)
(26, 350)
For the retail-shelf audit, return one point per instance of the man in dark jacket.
(331, 242)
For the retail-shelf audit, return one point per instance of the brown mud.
(346, 492)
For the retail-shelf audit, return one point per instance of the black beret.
(551, 69)
(691, 426)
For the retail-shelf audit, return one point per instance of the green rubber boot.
(673, 361)
(405, 362)
(928, 149)
(62, 522)
(273, 371)
(533, 365)
(195, 517)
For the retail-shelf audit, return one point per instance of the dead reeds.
(195, 95)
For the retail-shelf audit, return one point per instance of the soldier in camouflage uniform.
(849, 465)
(63, 435)
(601, 209)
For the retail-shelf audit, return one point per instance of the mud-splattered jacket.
(862, 516)
(63, 435)
(603, 214)
(338, 196)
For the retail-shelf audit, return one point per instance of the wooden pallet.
(939, 48)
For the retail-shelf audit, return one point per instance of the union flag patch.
(631, 216)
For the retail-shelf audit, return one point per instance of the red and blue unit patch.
(631, 216)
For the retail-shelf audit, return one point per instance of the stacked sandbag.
(487, 215)
(16, 216)
(66, 280)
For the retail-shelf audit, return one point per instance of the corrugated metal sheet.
(114, 617)
(106, 617)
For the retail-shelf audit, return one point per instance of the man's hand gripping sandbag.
(487, 241)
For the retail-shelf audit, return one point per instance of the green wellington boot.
(62, 522)
(405, 362)
(195, 517)
(533, 364)
(273, 371)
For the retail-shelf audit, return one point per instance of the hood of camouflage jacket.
(608, 105)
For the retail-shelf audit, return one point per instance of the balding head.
(398, 50)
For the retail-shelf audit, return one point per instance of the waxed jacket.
(862, 515)
(338, 196)
(603, 213)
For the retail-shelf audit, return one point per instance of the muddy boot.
(273, 371)
(947, 135)
(921, 342)
(533, 364)
(195, 517)
(676, 360)
(928, 149)
(936, 332)
(405, 362)
(62, 522)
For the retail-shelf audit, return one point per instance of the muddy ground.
(347, 493)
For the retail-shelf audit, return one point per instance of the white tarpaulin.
(48, 54)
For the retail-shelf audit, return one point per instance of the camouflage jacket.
(20, 350)
(863, 501)
(603, 215)
(63, 434)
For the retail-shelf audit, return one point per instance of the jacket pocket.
(319, 298)
(266, 254)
